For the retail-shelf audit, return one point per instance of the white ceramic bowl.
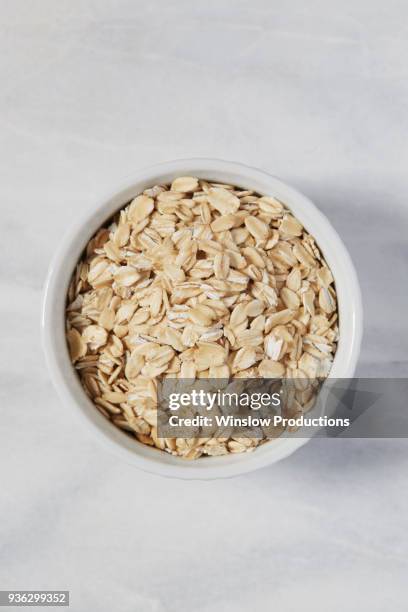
(65, 378)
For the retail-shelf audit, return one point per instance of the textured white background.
(315, 92)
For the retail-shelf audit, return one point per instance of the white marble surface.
(315, 92)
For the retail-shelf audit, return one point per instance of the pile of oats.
(198, 280)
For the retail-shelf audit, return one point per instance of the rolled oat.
(197, 279)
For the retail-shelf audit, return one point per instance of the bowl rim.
(63, 376)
